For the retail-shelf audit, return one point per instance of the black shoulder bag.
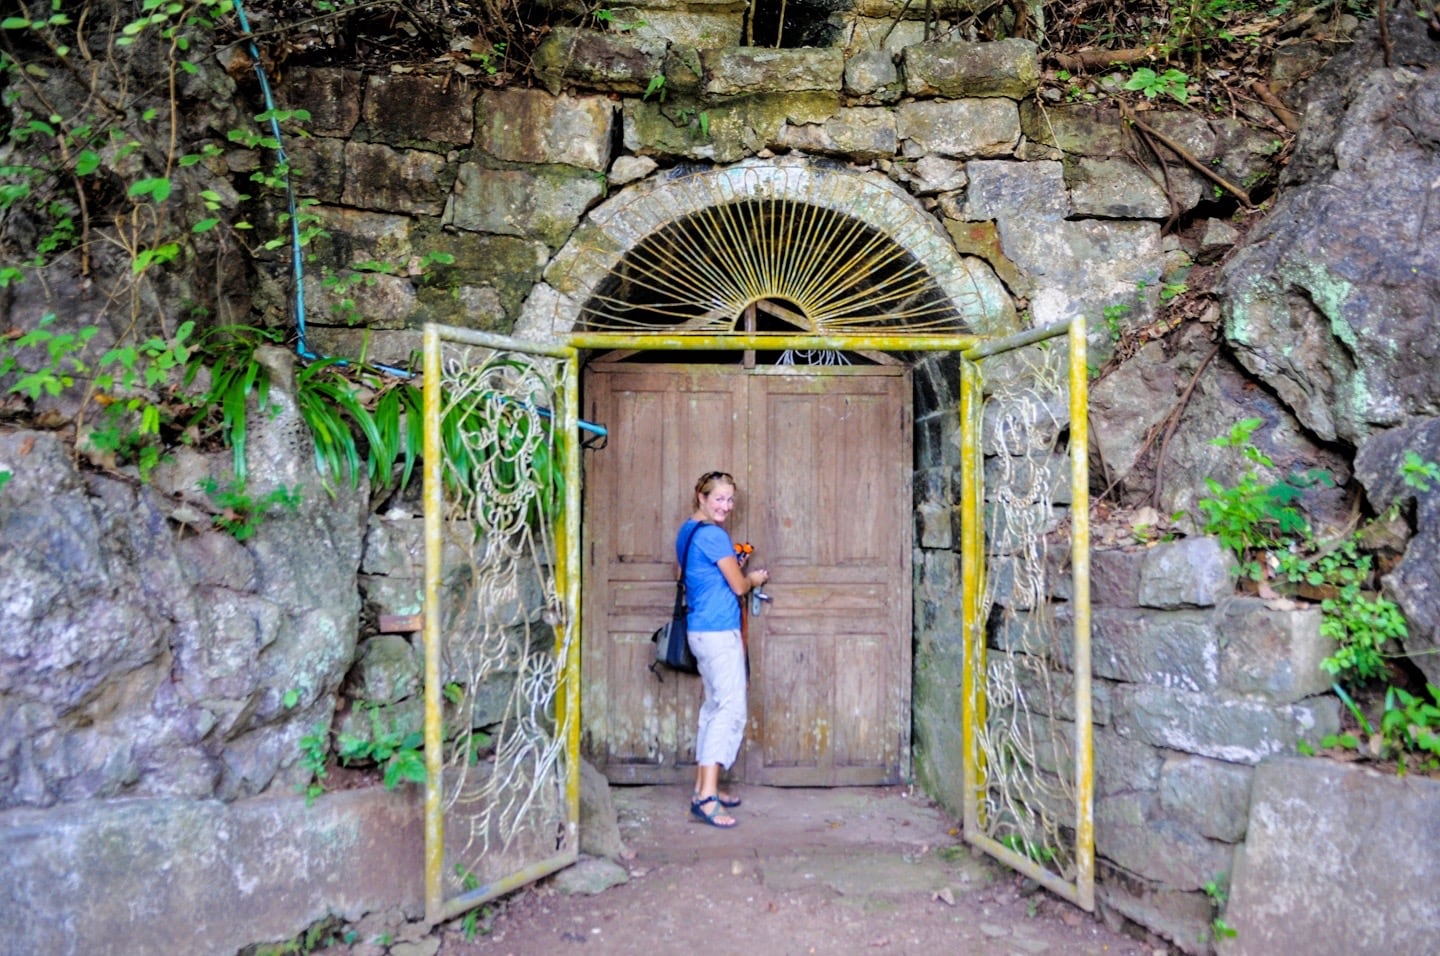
(672, 640)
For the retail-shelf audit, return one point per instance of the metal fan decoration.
(808, 269)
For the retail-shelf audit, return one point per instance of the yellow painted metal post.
(1080, 566)
(567, 585)
(434, 501)
(972, 570)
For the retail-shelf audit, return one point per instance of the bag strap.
(680, 581)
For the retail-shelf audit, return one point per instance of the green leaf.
(157, 189)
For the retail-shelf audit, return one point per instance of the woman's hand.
(757, 578)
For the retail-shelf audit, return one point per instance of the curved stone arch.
(618, 226)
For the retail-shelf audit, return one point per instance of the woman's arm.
(739, 581)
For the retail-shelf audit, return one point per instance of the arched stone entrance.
(975, 300)
(786, 248)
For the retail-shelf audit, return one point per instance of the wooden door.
(823, 462)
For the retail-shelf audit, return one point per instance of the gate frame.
(972, 349)
(567, 587)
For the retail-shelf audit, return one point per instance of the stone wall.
(1041, 194)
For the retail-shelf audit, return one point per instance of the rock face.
(1413, 581)
(145, 653)
(1334, 298)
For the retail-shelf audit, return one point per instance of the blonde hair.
(709, 480)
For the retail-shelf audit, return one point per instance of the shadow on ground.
(807, 871)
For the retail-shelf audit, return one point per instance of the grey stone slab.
(1339, 860)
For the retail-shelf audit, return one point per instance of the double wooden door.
(822, 458)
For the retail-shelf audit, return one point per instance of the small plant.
(1411, 726)
(5, 477)
(1114, 316)
(1171, 290)
(1219, 895)
(656, 85)
(397, 752)
(1360, 621)
(1418, 473)
(314, 756)
(471, 925)
(1171, 83)
(241, 513)
(1253, 515)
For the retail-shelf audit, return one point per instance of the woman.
(714, 584)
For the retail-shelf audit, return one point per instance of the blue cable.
(296, 260)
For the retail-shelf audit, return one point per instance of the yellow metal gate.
(502, 661)
(1026, 724)
(502, 603)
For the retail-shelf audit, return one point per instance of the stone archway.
(904, 279)
(616, 228)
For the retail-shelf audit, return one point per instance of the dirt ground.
(836, 871)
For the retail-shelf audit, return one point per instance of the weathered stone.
(388, 669)
(935, 509)
(1116, 189)
(1173, 649)
(1123, 765)
(589, 876)
(1273, 652)
(317, 164)
(261, 869)
(697, 23)
(615, 62)
(543, 201)
(1181, 916)
(1320, 834)
(627, 169)
(891, 25)
(1412, 581)
(1115, 577)
(961, 128)
(394, 347)
(1209, 796)
(140, 692)
(1192, 572)
(747, 70)
(1132, 830)
(1239, 730)
(509, 265)
(1321, 302)
(410, 181)
(872, 73)
(375, 300)
(982, 240)
(599, 824)
(862, 134)
(530, 126)
(406, 109)
(1072, 266)
(725, 131)
(1216, 240)
(331, 96)
(1005, 68)
(1078, 129)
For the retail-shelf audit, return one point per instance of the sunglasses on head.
(717, 475)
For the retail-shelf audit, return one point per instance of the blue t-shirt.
(712, 605)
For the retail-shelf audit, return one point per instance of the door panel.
(666, 428)
(823, 463)
(830, 459)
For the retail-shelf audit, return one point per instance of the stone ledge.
(1338, 859)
